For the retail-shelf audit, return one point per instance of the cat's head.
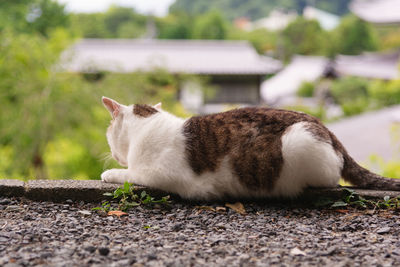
(126, 120)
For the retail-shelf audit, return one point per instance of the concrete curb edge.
(93, 190)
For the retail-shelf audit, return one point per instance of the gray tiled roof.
(288, 80)
(369, 65)
(377, 11)
(177, 56)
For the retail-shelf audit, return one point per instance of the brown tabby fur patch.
(251, 137)
(143, 110)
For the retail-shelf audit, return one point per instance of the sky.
(155, 7)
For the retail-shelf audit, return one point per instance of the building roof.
(369, 133)
(328, 21)
(377, 11)
(369, 65)
(276, 20)
(177, 56)
(287, 81)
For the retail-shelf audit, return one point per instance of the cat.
(246, 152)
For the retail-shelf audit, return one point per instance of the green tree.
(175, 26)
(255, 9)
(262, 39)
(116, 22)
(28, 86)
(305, 37)
(40, 16)
(354, 36)
(53, 123)
(117, 17)
(89, 25)
(210, 26)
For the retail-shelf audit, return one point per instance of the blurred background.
(337, 60)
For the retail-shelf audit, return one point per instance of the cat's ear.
(158, 106)
(112, 106)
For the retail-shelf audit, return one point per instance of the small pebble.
(104, 251)
(383, 230)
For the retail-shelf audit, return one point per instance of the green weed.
(352, 199)
(127, 199)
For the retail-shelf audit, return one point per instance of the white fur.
(307, 162)
(153, 149)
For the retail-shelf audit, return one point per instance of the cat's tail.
(360, 177)
(363, 178)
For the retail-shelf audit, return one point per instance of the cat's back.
(249, 137)
(242, 123)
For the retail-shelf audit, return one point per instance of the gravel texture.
(184, 234)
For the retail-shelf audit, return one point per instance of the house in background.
(380, 12)
(281, 89)
(378, 65)
(277, 20)
(328, 21)
(234, 68)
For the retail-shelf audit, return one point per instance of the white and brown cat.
(246, 152)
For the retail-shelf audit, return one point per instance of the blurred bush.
(351, 93)
(390, 168)
(306, 89)
(53, 123)
(353, 36)
(384, 93)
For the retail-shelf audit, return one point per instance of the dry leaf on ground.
(117, 213)
(220, 209)
(297, 252)
(205, 208)
(238, 207)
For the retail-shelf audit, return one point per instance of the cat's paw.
(112, 176)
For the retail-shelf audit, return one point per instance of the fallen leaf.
(297, 252)
(117, 213)
(342, 211)
(238, 207)
(85, 212)
(205, 208)
(220, 209)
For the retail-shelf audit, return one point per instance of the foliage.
(116, 22)
(129, 199)
(390, 38)
(318, 112)
(31, 96)
(351, 199)
(210, 26)
(354, 36)
(254, 9)
(356, 95)
(32, 16)
(261, 39)
(175, 26)
(385, 93)
(89, 25)
(390, 168)
(352, 94)
(306, 89)
(305, 37)
(53, 123)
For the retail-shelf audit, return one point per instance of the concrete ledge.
(61, 190)
(93, 190)
(12, 188)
